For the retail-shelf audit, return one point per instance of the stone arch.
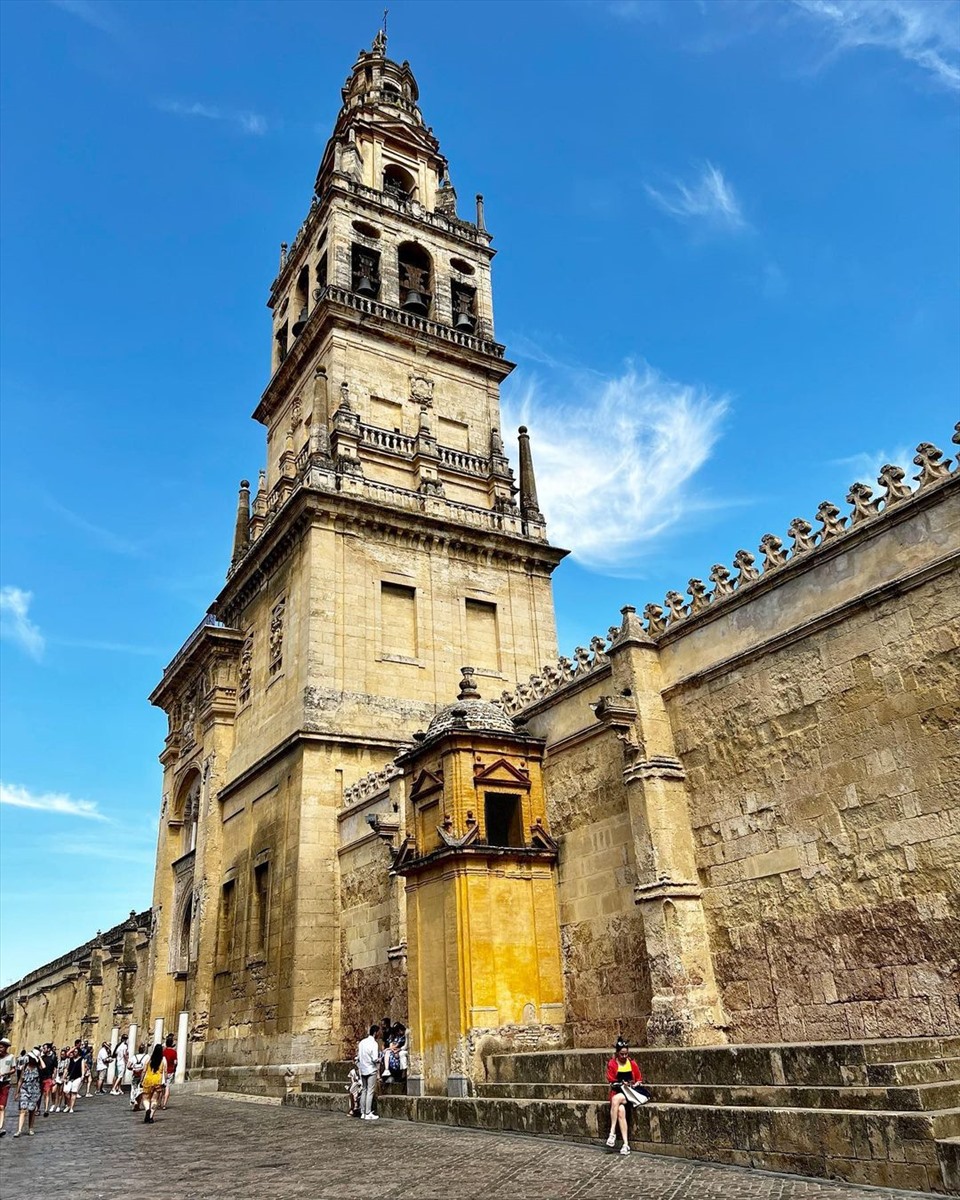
(185, 812)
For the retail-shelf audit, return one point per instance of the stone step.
(924, 1097)
(884, 1149)
(948, 1152)
(936, 1070)
(334, 1070)
(828, 1064)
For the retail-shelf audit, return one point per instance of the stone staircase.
(885, 1113)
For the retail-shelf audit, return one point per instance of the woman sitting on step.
(623, 1075)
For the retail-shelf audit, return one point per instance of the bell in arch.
(366, 286)
(415, 302)
(464, 322)
(300, 323)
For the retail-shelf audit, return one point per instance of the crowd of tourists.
(44, 1080)
(382, 1055)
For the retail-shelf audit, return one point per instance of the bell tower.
(386, 545)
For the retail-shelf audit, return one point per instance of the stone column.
(686, 1008)
(157, 1032)
(112, 1067)
(131, 1050)
(183, 1021)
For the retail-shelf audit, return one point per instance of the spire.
(468, 685)
(529, 507)
(241, 534)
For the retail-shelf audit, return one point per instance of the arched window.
(399, 183)
(183, 943)
(186, 812)
(416, 278)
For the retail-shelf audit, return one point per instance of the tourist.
(154, 1078)
(74, 1079)
(48, 1070)
(368, 1063)
(354, 1088)
(28, 1093)
(170, 1059)
(59, 1081)
(87, 1051)
(138, 1064)
(103, 1065)
(120, 1056)
(622, 1072)
(395, 1054)
(8, 1071)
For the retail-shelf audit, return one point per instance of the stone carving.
(655, 621)
(722, 583)
(581, 659)
(774, 555)
(699, 596)
(551, 678)
(676, 609)
(864, 506)
(891, 480)
(372, 784)
(928, 459)
(276, 635)
(829, 517)
(743, 560)
(801, 531)
(245, 669)
(421, 390)
(599, 646)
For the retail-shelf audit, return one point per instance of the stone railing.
(397, 316)
(552, 678)
(373, 784)
(460, 460)
(865, 507)
(453, 225)
(208, 621)
(387, 439)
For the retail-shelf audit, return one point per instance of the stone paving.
(209, 1148)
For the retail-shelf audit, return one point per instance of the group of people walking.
(381, 1054)
(44, 1080)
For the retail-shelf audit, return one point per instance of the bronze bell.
(415, 302)
(366, 287)
(464, 322)
(300, 322)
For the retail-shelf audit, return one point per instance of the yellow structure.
(479, 866)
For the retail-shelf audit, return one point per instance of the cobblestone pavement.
(210, 1148)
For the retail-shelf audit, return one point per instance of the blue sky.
(728, 273)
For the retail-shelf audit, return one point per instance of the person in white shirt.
(103, 1063)
(8, 1075)
(368, 1062)
(120, 1063)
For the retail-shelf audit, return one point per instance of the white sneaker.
(624, 1149)
(612, 1140)
(373, 1117)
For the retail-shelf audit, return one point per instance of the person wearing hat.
(28, 1093)
(8, 1069)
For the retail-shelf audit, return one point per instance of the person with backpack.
(138, 1064)
(170, 1059)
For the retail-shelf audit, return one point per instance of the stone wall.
(84, 994)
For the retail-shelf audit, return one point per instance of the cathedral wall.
(605, 974)
(83, 994)
(817, 726)
(372, 906)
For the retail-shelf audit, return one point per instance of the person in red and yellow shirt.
(621, 1069)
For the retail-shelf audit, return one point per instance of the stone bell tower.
(385, 546)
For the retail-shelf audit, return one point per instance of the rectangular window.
(502, 818)
(261, 906)
(483, 643)
(398, 621)
(228, 906)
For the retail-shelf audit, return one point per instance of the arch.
(186, 809)
(416, 278)
(183, 939)
(399, 183)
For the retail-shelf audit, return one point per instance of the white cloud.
(246, 122)
(91, 14)
(865, 466)
(710, 199)
(923, 32)
(101, 536)
(15, 623)
(52, 802)
(614, 457)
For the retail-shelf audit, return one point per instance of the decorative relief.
(372, 784)
(551, 678)
(276, 635)
(245, 669)
(833, 524)
(421, 390)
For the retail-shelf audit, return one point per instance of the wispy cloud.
(50, 802)
(106, 647)
(106, 538)
(94, 15)
(925, 33)
(247, 122)
(614, 459)
(865, 466)
(709, 199)
(15, 623)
